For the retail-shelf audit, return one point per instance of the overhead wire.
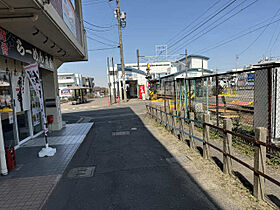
(235, 38)
(202, 24)
(254, 41)
(101, 37)
(191, 40)
(100, 49)
(105, 30)
(111, 45)
(192, 22)
(97, 26)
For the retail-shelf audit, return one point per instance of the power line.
(213, 16)
(97, 26)
(100, 41)
(101, 37)
(106, 30)
(250, 45)
(215, 26)
(238, 37)
(192, 22)
(109, 48)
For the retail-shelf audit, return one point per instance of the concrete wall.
(50, 88)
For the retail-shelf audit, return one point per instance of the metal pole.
(207, 95)
(217, 100)
(186, 99)
(164, 96)
(121, 50)
(114, 81)
(269, 97)
(138, 60)
(109, 83)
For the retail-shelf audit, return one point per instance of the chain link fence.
(250, 98)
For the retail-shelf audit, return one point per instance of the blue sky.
(154, 22)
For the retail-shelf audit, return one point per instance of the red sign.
(141, 90)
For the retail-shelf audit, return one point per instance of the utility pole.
(118, 82)
(114, 81)
(109, 83)
(121, 49)
(138, 59)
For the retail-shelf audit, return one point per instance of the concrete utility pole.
(114, 81)
(109, 83)
(138, 59)
(118, 82)
(121, 49)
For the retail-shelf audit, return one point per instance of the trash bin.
(10, 157)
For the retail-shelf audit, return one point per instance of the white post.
(4, 170)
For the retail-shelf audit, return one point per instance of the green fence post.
(186, 98)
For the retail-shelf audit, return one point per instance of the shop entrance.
(131, 89)
(6, 108)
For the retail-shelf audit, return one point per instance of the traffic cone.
(119, 102)
(109, 104)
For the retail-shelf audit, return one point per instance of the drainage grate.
(81, 172)
(121, 133)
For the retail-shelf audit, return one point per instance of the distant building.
(69, 80)
(157, 69)
(135, 80)
(88, 82)
(197, 65)
(66, 82)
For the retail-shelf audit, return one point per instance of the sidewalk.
(29, 184)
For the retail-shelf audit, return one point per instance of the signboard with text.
(13, 47)
(32, 72)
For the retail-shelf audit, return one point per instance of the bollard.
(206, 136)
(191, 130)
(259, 163)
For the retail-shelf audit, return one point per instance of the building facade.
(47, 33)
(135, 83)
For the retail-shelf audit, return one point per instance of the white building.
(136, 83)
(157, 69)
(69, 80)
(197, 66)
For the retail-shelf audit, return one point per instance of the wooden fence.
(177, 125)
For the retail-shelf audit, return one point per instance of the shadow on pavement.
(131, 170)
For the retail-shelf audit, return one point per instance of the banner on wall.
(32, 72)
(21, 92)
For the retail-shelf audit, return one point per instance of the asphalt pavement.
(121, 165)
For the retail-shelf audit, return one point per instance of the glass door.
(6, 109)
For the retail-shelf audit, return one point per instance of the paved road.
(131, 171)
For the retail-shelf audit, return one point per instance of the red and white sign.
(141, 91)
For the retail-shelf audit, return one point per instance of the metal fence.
(250, 98)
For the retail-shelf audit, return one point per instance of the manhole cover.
(121, 133)
(81, 172)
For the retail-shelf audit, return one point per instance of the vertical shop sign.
(141, 91)
(33, 74)
(21, 92)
